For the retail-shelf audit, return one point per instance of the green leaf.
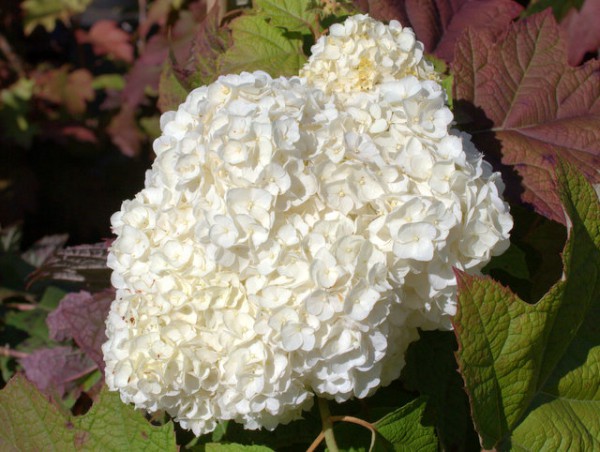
(28, 421)
(232, 447)
(109, 81)
(404, 430)
(560, 8)
(292, 15)
(260, 46)
(14, 108)
(431, 369)
(33, 322)
(532, 372)
(171, 91)
(47, 12)
(513, 261)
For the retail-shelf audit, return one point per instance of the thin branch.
(21, 306)
(362, 423)
(316, 442)
(83, 373)
(7, 351)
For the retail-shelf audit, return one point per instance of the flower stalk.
(327, 424)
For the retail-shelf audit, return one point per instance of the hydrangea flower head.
(363, 52)
(290, 241)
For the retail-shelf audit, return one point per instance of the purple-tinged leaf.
(55, 371)
(107, 38)
(583, 31)
(124, 132)
(439, 23)
(81, 316)
(146, 70)
(41, 250)
(385, 10)
(84, 264)
(528, 107)
(179, 77)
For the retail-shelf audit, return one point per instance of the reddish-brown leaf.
(528, 107)
(145, 74)
(178, 78)
(55, 370)
(439, 23)
(80, 316)
(583, 30)
(107, 38)
(124, 132)
(70, 89)
(385, 10)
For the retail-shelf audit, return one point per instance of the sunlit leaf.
(439, 23)
(528, 107)
(292, 15)
(260, 46)
(532, 372)
(28, 421)
(404, 430)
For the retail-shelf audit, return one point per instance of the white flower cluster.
(294, 233)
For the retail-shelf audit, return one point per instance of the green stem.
(327, 425)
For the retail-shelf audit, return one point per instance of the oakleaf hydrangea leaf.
(532, 372)
(55, 370)
(258, 45)
(47, 12)
(107, 38)
(292, 15)
(405, 432)
(439, 23)
(200, 68)
(582, 30)
(535, 106)
(28, 421)
(81, 316)
(171, 90)
(560, 8)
